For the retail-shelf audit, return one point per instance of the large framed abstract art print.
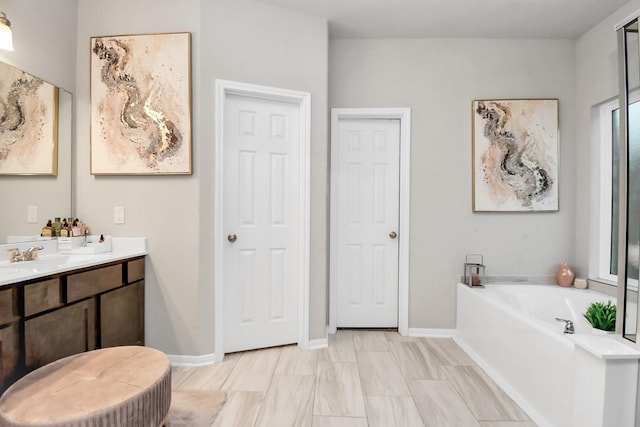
(515, 155)
(141, 104)
(28, 124)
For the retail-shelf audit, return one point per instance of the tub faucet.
(568, 326)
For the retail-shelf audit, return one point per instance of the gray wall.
(438, 79)
(233, 40)
(255, 43)
(597, 81)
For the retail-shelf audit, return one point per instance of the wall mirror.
(28, 201)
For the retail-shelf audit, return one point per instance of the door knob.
(393, 234)
(232, 237)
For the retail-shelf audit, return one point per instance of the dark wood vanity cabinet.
(9, 335)
(50, 318)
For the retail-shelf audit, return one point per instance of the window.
(609, 178)
(609, 173)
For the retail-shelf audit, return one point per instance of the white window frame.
(605, 152)
(604, 223)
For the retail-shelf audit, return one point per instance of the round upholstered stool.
(116, 386)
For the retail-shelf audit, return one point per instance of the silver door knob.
(393, 234)
(232, 237)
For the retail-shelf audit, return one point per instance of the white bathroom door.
(368, 190)
(260, 223)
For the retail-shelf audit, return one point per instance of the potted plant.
(602, 316)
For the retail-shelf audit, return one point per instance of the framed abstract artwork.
(28, 124)
(141, 104)
(515, 155)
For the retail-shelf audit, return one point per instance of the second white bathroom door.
(368, 188)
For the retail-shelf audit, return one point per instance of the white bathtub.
(560, 380)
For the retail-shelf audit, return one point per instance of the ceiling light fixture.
(6, 37)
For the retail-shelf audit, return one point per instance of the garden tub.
(583, 379)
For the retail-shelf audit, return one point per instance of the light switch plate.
(118, 215)
(32, 214)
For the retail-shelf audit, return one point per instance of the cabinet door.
(9, 354)
(60, 333)
(9, 336)
(122, 316)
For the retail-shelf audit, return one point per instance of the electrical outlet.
(118, 215)
(32, 214)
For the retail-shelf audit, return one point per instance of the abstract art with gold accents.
(28, 124)
(515, 155)
(141, 104)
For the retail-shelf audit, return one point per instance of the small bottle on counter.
(64, 230)
(57, 226)
(83, 228)
(79, 228)
(47, 230)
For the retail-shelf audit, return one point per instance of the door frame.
(404, 115)
(223, 89)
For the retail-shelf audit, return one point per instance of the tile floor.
(364, 378)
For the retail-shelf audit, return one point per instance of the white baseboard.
(180, 361)
(316, 344)
(209, 359)
(439, 333)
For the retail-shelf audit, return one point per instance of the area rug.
(194, 408)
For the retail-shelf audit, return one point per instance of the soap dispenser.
(47, 230)
(64, 230)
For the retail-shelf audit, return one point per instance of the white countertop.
(52, 262)
(605, 346)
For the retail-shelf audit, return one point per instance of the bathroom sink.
(42, 264)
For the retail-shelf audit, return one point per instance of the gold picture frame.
(28, 124)
(515, 153)
(141, 104)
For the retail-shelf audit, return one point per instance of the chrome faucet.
(568, 326)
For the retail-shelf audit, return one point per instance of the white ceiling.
(456, 18)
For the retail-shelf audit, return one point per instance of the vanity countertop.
(50, 262)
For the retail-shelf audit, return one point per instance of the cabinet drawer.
(135, 270)
(93, 282)
(42, 296)
(8, 305)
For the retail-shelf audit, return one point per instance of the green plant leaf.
(601, 315)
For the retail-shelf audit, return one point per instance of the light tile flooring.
(364, 378)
